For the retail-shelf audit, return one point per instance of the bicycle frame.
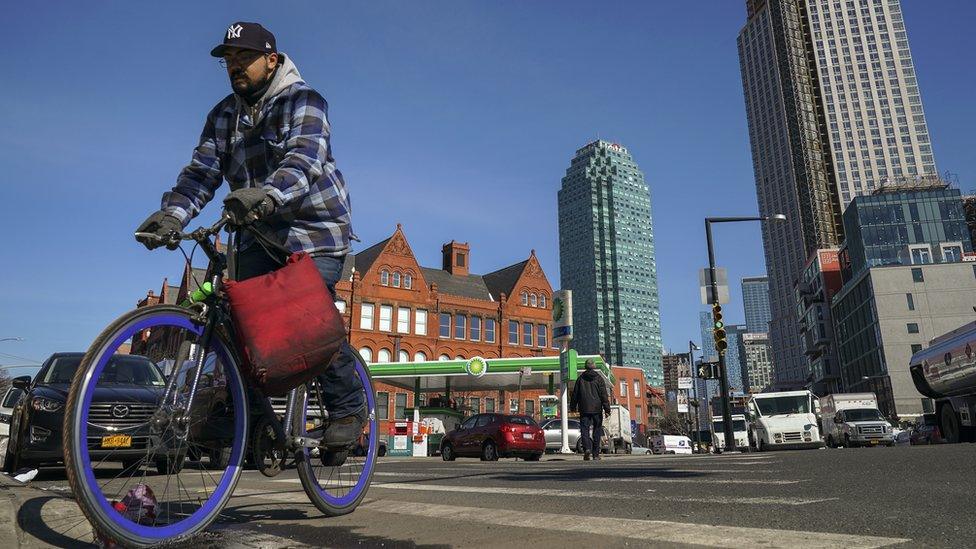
(214, 313)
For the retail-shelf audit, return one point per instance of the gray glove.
(163, 226)
(245, 206)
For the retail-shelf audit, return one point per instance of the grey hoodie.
(286, 75)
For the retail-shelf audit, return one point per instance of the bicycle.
(204, 410)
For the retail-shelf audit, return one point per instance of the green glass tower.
(606, 256)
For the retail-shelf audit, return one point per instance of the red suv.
(490, 436)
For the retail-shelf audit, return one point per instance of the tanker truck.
(945, 371)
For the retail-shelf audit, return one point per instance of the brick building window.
(420, 322)
(489, 406)
(636, 388)
(366, 316)
(445, 325)
(623, 388)
(401, 406)
(525, 299)
(489, 330)
(407, 281)
(513, 406)
(386, 318)
(529, 407)
(638, 414)
(459, 326)
(385, 277)
(396, 280)
(527, 334)
(475, 328)
(403, 320)
(366, 353)
(533, 300)
(512, 332)
(475, 405)
(419, 356)
(541, 338)
(382, 405)
(542, 300)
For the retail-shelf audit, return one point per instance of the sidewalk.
(31, 517)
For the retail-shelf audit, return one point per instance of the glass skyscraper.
(606, 256)
(755, 303)
(834, 111)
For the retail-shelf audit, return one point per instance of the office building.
(834, 111)
(757, 360)
(755, 303)
(605, 214)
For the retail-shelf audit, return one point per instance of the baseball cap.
(249, 36)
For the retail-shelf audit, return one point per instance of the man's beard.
(243, 86)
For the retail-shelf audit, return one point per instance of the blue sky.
(456, 119)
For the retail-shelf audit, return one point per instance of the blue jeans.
(591, 421)
(342, 389)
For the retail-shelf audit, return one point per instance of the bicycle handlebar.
(176, 237)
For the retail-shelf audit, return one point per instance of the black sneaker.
(596, 456)
(344, 432)
(586, 456)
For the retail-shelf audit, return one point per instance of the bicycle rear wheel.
(116, 412)
(336, 482)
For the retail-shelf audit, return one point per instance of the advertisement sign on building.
(682, 402)
(684, 383)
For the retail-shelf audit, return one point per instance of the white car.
(639, 450)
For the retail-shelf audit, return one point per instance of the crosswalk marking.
(644, 530)
(554, 492)
(701, 480)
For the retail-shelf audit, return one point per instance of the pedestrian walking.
(591, 399)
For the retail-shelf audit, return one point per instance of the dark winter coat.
(590, 394)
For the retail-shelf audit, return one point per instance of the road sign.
(684, 383)
(562, 315)
(567, 364)
(721, 285)
(682, 402)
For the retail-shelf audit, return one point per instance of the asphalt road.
(871, 497)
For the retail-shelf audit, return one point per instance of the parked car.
(127, 394)
(640, 450)
(490, 436)
(926, 434)
(554, 441)
(554, 435)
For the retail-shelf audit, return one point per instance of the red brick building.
(630, 392)
(399, 310)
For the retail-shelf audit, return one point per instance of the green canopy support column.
(416, 393)
(552, 385)
(447, 387)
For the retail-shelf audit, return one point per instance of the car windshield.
(799, 404)
(737, 425)
(522, 420)
(121, 370)
(863, 415)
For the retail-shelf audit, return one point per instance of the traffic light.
(718, 329)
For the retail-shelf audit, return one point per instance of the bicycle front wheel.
(135, 412)
(336, 482)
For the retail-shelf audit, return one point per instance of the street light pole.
(694, 383)
(713, 287)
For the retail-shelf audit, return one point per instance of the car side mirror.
(22, 383)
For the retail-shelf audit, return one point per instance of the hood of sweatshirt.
(590, 375)
(286, 75)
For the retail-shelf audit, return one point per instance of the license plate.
(527, 436)
(117, 441)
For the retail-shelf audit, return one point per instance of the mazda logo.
(120, 410)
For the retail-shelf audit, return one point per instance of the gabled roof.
(364, 259)
(503, 280)
(472, 286)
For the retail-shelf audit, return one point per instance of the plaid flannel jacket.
(287, 152)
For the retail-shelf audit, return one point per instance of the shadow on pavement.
(595, 472)
(318, 535)
(56, 521)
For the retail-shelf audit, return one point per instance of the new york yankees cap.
(249, 36)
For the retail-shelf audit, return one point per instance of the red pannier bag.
(287, 325)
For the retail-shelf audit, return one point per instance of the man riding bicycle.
(270, 140)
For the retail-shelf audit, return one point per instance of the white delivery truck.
(739, 431)
(784, 420)
(853, 419)
(617, 426)
(946, 373)
(671, 444)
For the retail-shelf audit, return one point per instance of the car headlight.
(43, 404)
(808, 427)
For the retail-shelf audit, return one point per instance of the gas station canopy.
(481, 374)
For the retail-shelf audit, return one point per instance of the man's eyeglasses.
(242, 60)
